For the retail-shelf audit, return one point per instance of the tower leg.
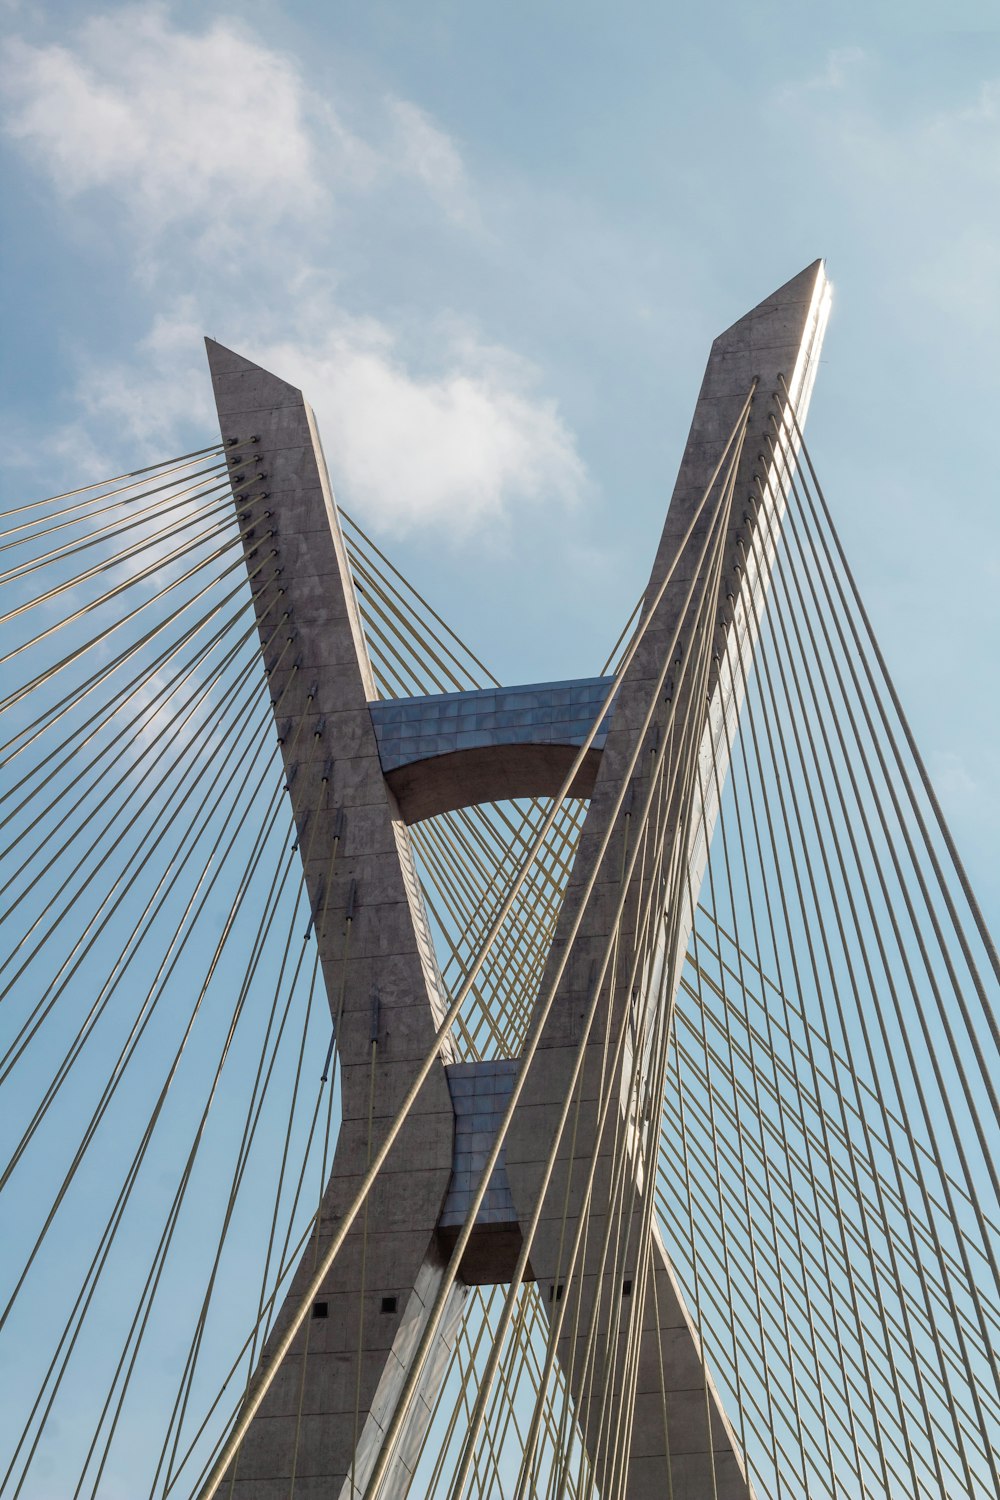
(646, 1407)
(322, 1417)
(677, 1439)
(325, 1415)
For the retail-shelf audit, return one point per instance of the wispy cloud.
(174, 125)
(426, 153)
(452, 446)
(148, 397)
(966, 795)
(225, 170)
(924, 183)
(841, 67)
(456, 446)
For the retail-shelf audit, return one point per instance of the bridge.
(416, 1085)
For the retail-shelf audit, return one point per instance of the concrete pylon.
(680, 1442)
(358, 771)
(325, 1411)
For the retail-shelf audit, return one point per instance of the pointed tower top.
(779, 340)
(809, 285)
(228, 367)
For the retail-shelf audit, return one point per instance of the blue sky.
(493, 245)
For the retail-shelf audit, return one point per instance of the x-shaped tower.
(360, 771)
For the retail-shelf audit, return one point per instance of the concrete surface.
(368, 769)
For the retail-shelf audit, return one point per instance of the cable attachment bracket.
(329, 1054)
(313, 910)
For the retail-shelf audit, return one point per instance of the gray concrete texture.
(373, 937)
(780, 337)
(333, 732)
(450, 750)
(480, 1093)
(560, 713)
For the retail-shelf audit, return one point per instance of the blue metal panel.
(547, 713)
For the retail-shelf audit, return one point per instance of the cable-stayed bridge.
(418, 1085)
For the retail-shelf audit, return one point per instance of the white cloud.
(459, 446)
(177, 125)
(149, 399)
(428, 154)
(208, 126)
(159, 711)
(841, 67)
(456, 446)
(923, 187)
(229, 167)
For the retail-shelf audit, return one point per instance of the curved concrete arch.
(452, 750)
(491, 773)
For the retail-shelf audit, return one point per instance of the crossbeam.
(451, 750)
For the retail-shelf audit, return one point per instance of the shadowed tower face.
(579, 1151)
